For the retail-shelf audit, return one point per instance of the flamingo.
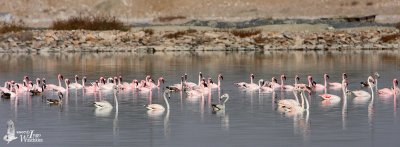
(336, 85)
(320, 87)
(287, 87)
(92, 89)
(10, 94)
(52, 86)
(217, 107)
(105, 104)
(158, 107)
(176, 87)
(56, 101)
(389, 92)
(75, 85)
(266, 87)
(62, 89)
(191, 84)
(362, 93)
(253, 86)
(244, 84)
(297, 107)
(213, 85)
(153, 85)
(332, 97)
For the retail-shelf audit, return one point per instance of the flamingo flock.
(204, 86)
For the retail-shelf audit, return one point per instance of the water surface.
(250, 118)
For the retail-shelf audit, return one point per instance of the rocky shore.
(148, 40)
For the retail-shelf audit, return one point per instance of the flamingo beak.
(345, 75)
(222, 78)
(327, 76)
(284, 77)
(162, 80)
(252, 76)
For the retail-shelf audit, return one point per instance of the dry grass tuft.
(180, 33)
(100, 22)
(389, 38)
(148, 31)
(12, 27)
(245, 33)
(169, 18)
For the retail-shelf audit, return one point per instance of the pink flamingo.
(389, 92)
(159, 81)
(336, 85)
(213, 85)
(326, 96)
(320, 87)
(176, 87)
(244, 84)
(266, 87)
(75, 85)
(92, 89)
(52, 86)
(286, 87)
(62, 89)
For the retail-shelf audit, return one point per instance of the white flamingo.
(362, 93)
(159, 107)
(217, 107)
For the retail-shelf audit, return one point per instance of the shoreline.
(194, 38)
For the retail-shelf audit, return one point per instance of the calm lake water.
(250, 118)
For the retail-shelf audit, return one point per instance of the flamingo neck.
(219, 82)
(282, 83)
(158, 83)
(251, 80)
(59, 82)
(325, 84)
(199, 80)
(225, 100)
(166, 100)
(83, 82)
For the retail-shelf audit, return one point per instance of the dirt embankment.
(40, 13)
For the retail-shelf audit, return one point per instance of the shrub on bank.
(245, 33)
(180, 33)
(12, 27)
(99, 22)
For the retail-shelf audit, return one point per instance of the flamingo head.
(221, 77)
(376, 74)
(200, 74)
(186, 76)
(210, 81)
(274, 80)
(30, 83)
(60, 77)
(120, 78)
(252, 76)
(26, 78)
(395, 82)
(67, 81)
(326, 75)
(344, 76)
(261, 81)
(161, 79)
(309, 78)
(224, 96)
(84, 79)
(38, 80)
(297, 78)
(283, 77)
(76, 77)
